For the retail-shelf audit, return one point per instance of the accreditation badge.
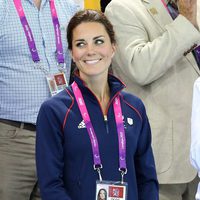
(109, 190)
(57, 82)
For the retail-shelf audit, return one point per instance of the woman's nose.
(90, 49)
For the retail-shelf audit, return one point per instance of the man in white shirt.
(195, 130)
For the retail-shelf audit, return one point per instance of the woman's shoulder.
(133, 99)
(134, 102)
(60, 100)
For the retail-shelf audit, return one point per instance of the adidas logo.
(129, 121)
(81, 125)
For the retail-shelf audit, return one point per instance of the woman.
(93, 133)
(102, 194)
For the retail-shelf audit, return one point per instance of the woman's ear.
(71, 55)
(114, 49)
(112, 54)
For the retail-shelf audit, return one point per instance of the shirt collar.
(42, 2)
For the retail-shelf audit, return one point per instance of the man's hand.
(188, 8)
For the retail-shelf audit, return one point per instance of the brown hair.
(89, 16)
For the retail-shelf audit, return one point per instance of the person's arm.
(141, 60)
(144, 162)
(189, 10)
(195, 127)
(49, 154)
(195, 131)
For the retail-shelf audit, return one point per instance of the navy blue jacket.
(64, 153)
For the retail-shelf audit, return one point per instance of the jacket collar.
(115, 84)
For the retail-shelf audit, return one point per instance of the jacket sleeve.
(144, 162)
(195, 127)
(49, 154)
(145, 50)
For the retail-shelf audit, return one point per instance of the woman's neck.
(101, 90)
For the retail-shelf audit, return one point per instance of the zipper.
(106, 123)
(109, 103)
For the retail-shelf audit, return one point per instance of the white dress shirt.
(195, 131)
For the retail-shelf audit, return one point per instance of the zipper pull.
(106, 123)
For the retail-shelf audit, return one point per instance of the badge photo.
(57, 82)
(108, 190)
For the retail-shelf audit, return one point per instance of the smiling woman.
(81, 133)
(92, 51)
(102, 194)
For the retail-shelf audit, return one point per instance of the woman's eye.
(99, 41)
(80, 44)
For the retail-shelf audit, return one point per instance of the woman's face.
(92, 50)
(102, 194)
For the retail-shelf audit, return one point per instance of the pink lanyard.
(163, 1)
(29, 35)
(92, 134)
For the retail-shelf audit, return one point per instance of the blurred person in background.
(158, 58)
(195, 131)
(33, 57)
